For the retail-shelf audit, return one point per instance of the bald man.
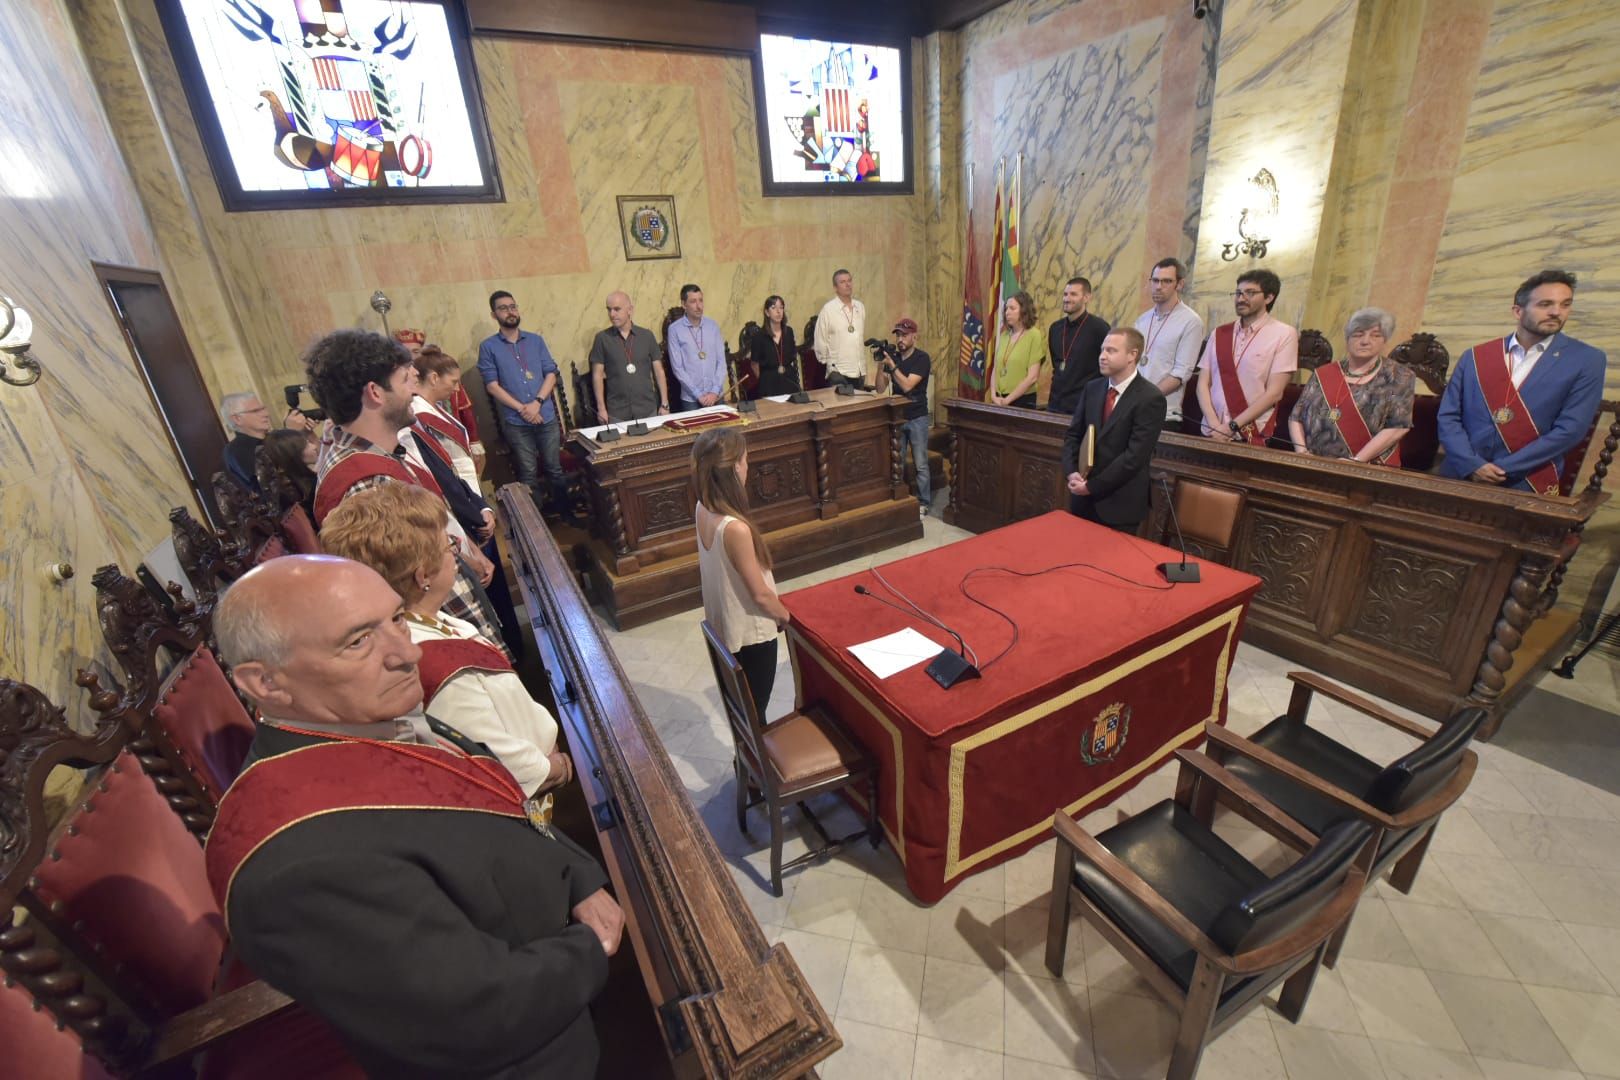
(627, 370)
(387, 876)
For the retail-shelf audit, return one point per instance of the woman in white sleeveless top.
(739, 592)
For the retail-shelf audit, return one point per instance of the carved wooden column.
(1519, 610)
(1600, 469)
(897, 463)
(826, 497)
(954, 505)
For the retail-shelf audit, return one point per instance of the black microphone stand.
(948, 668)
(1182, 572)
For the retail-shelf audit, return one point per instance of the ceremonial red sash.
(336, 481)
(443, 425)
(461, 404)
(1346, 415)
(430, 443)
(1232, 388)
(1508, 411)
(279, 792)
(443, 659)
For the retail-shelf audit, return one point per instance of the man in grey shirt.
(1173, 333)
(627, 369)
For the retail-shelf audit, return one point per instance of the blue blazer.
(1562, 392)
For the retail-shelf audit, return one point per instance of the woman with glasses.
(1359, 407)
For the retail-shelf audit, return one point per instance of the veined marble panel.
(1535, 185)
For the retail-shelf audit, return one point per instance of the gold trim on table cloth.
(897, 834)
(955, 863)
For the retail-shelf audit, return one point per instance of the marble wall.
(87, 474)
(573, 126)
(1109, 102)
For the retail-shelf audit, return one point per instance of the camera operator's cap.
(906, 326)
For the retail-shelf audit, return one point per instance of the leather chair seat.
(1321, 756)
(802, 750)
(1200, 874)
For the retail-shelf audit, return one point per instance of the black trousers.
(1083, 508)
(1025, 402)
(759, 668)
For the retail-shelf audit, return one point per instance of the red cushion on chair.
(35, 1046)
(272, 548)
(129, 880)
(300, 533)
(200, 714)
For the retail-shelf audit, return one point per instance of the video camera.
(884, 348)
(291, 394)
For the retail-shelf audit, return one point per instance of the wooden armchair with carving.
(121, 939)
(1319, 781)
(210, 560)
(812, 375)
(188, 729)
(676, 390)
(1210, 932)
(249, 519)
(741, 363)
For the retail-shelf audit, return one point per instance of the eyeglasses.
(506, 307)
(1249, 294)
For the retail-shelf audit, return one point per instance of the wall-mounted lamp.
(1256, 220)
(16, 330)
(1201, 8)
(382, 306)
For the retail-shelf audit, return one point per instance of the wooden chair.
(676, 391)
(742, 362)
(1314, 350)
(1209, 515)
(1203, 925)
(1428, 359)
(123, 941)
(789, 760)
(36, 1042)
(249, 520)
(188, 729)
(211, 560)
(1320, 782)
(812, 376)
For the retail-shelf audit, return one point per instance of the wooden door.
(144, 311)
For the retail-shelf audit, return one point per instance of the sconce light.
(1201, 8)
(1256, 220)
(16, 329)
(382, 306)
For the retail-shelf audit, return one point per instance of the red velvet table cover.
(1110, 675)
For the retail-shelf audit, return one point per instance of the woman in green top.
(1019, 354)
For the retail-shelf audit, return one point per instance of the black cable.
(1010, 621)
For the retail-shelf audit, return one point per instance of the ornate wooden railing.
(730, 1004)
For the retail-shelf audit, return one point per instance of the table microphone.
(948, 668)
(1183, 571)
(609, 433)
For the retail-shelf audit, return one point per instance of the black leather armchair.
(1208, 929)
(1318, 781)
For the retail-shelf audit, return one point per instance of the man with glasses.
(248, 421)
(520, 376)
(1171, 332)
(1248, 364)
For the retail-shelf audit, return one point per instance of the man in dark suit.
(382, 869)
(1126, 414)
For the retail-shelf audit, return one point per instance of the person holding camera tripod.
(907, 368)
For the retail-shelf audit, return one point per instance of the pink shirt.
(1270, 346)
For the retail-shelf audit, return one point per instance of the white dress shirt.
(1522, 361)
(1171, 348)
(839, 347)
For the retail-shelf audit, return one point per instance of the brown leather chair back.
(1208, 513)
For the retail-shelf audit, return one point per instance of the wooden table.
(825, 482)
(1427, 591)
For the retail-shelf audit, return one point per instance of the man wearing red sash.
(1248, 364)
(1516, 406)
(366, 382)
(382, 869)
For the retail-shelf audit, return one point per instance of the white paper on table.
(655, 422)
(893, 653)
(780, 399)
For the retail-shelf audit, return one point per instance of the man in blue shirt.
(697, 352)
(520, 375)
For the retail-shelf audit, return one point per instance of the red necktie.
(1108, 406)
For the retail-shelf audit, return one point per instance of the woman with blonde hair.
(467, 683)
(734, 564)
(1019, 354)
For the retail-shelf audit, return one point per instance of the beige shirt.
(728, 606)
(840, 340)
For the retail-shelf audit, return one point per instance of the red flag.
(970, 375)
(996, 251)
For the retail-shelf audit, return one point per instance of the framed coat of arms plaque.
(647, 223)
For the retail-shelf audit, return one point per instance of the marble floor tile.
(1490, 884)
(1248, 1050)
(1587, 1024)
(1601, 944)
(1028, 878)
(1563, 796)
(1448, 939)
(882, 987)
(1133, 1036)
(1330, 1006)
(869, 1051)
(1398, 1004)
(823, 961)
(1375, 935)
(1458, 832)
(1313, 1054)
(1517, 1070)
(1498, 1020)
(961, 1003)
(1542, 952)
(1431, 887)
(1404, 1061)
(968, 929)
(940, 1060)
(825, 903)
(1576, 894)
(1026, 944)
(1014, 1068)
(1049, 1022)
(890, 916)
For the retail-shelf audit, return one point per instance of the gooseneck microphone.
(1182, 571)
(948, 668)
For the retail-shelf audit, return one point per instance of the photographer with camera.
(247, 420)
(908, 368)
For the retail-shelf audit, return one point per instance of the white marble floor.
(1504, 963)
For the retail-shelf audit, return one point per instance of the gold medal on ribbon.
(1334, 414)
(539, 816)
(852, 329)
(1504, 415)
(702, 355)
(630, 369)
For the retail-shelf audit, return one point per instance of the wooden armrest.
(1089, 848)
(1251, 805)
(1345, 696)
(1234, 743)
(213, 1022)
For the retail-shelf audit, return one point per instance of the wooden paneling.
(1413, 587)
